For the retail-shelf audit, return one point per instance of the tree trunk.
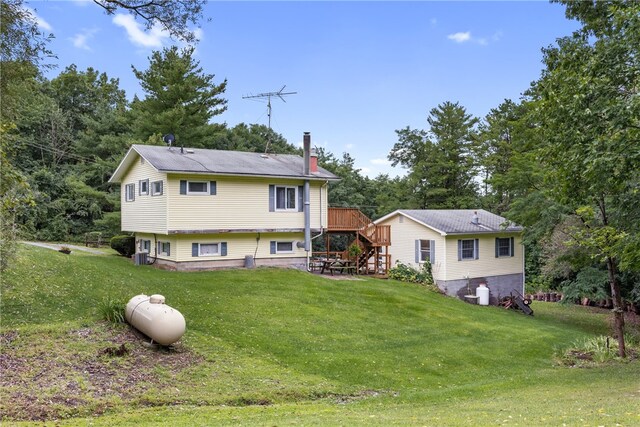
(618, 312)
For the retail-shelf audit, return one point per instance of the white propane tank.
(482, 292)
(151, 316)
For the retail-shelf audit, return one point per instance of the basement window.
(281, 247)
(208, 249)
(145, 246)
(164, 248)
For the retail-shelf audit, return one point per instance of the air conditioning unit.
(141, 258)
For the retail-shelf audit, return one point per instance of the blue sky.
(361, 70)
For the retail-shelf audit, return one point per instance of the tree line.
(563, 160)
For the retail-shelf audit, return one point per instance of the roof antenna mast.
(280, 94)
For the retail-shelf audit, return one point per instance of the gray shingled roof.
(200, 160)
(458, 221)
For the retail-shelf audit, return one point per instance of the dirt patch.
(82, 372)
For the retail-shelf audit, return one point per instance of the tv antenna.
(268, 95)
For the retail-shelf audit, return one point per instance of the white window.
(425, 250)
(286, 198)
(164, 248)
(130, 192)
(144, 187)
(156, 188)
(503, 246)
(208, 249)
(197, 187)
(284, 247)
(467, 249)
(145, 246)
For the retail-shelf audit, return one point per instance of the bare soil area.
(81, 372)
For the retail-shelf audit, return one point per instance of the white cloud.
(39, 20)
(349, 146)
(154, 38)
(380, 161)
(81, 39)
(465, 37)
(460, 37)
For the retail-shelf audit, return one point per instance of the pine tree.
(181, 99)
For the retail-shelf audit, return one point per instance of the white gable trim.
(126, 163)
(398, 212)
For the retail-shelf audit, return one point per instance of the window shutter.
(432, 251)
(223, 249)
(512, 249)
(159, 248)
(161, 187)
(300, 198)
(272, 198)
(195, 249)
(417, 251)
(459, 250)
(168, 249)
(273, 247)
(497, 247)
(183, 186)
(476, 251)
(213, 188)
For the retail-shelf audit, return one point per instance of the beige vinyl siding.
(240, 203)
(154, 245)
(403, 240)
(239, 245)
(146, 213)
(487, 264)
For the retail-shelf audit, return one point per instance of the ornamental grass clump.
(593, 351)
(111, 310)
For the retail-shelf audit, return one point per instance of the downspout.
(524, 271)
(306, 142)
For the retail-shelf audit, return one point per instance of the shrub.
(354, 250)
(125, 245)
(406, 273)
(111, 310)
(592, 351)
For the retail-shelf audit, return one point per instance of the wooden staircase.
(374, 240)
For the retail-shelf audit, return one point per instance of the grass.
(282, 347)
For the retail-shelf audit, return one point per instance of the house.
(465, 248)
(194, 209)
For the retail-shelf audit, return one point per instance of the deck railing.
(351, 219)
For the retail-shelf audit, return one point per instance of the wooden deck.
(374, 240)
(352, 220)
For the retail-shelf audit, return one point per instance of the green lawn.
(283, 347)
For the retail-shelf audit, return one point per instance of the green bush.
(125, 245)
(406, 273)
(593, 351)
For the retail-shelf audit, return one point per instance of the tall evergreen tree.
(180, 99)
(441, 161)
